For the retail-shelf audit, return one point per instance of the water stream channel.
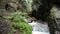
(39, 27)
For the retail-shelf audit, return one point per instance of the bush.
(17, 24)
(20, 24)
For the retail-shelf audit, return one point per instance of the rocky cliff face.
(21, 5)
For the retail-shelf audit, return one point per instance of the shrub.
(20, 24)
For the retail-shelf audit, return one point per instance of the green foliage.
(29, 5)
(16, 20)
(19, 23)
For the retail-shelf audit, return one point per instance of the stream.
(39, 27)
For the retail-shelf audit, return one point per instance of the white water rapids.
(39, 27)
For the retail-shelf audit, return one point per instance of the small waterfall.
(39, 27)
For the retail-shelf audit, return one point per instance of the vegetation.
(20, 24)
(40, 10)
(17, 23)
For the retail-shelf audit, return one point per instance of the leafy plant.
(19, 23)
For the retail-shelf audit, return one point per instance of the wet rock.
(4, 28)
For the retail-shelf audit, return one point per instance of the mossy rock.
(5, 28)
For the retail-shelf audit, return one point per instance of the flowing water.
(39, 27)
